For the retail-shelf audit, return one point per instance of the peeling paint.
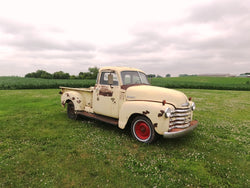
(146, 112)
(105, 91)
(161, 113)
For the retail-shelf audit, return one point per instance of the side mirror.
(110, 79)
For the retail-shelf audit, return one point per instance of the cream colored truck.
(123, 97)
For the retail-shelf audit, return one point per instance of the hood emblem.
(185, 104)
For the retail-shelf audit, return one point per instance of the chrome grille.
(180, 118)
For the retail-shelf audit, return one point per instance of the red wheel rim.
(142, 130)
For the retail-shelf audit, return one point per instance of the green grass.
(8, 83)
(194, 82)
(41, 147)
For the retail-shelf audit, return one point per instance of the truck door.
(106, 97)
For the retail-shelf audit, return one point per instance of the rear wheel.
(71, 110)
(142, 129)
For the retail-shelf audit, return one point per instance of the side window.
(104, 78)
(127, 79)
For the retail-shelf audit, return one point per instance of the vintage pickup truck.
(123, 97)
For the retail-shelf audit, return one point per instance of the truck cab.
(110, 90)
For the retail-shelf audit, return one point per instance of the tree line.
(92, 74)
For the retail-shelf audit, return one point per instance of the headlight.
(167, 112)
(193, 106)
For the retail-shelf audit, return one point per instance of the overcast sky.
(157, 36)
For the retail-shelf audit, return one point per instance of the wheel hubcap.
(142, 130)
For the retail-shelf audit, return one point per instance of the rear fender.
(77, 99)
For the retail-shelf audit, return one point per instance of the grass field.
(194, 82)
(41, 147)
(7, 83)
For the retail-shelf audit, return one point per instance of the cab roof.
(120, 69)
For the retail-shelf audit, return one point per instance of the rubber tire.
(71, 111)
(143, 130)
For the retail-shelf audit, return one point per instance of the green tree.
(92, 74)
(61, 75)
(93, 71)
(151, 76)
(39, 74)
(46, 75)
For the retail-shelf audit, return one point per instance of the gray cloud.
(35, 48)
(12, 27)
(215, 11)
(144, 42)
(28, 37)
(225, 51)
(212, 38)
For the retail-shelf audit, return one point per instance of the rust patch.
(73, 98)
(63, 103)
(67, 95)
(155, 124)
(146, 112)
(113, 100)
(104, 91)
(78, 101)
(161, 113)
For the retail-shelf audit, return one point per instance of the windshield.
(133, 77)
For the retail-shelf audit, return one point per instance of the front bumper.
(175, 133)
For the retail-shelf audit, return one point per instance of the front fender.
(152, 110)
(75, 97)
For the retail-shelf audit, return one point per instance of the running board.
(105, 119)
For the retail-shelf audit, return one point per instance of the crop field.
(41, 147)
(194, 82)
(8, 82)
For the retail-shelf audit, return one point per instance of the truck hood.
(157, 94)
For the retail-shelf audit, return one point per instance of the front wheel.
(143, 130)
(71, 111)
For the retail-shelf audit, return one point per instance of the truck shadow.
(104, 126)
(169, 144)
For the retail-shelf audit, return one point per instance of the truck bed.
(77, 89)
(81, 97)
